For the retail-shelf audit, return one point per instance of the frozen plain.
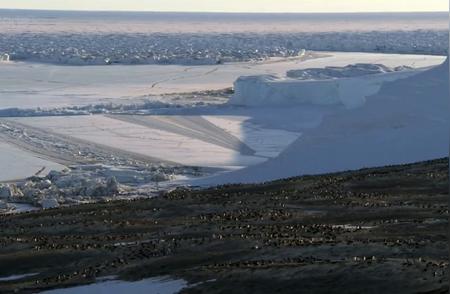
(379, 115)
(31, 85)
(220, 136)
(18, 163)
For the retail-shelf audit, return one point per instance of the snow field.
(17, 164)
(28, 85)
(191, 141)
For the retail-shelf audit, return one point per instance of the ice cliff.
(348, 86)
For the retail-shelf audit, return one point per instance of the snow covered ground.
(405, 121)
(16, 277)
(186, 140)
(17, 164)
(21, 207)
(155, 285)
(380, 114)
(29, 85)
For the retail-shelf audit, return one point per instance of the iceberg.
(319, 89)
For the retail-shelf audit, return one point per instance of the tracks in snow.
(195, 127)
(67, 150)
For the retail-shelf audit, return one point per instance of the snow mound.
(271, 90)
(349, 71)
(5, 57)
(323, 87)
(405, 121)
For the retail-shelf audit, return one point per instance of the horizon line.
(223, 12)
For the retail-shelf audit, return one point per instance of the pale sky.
(235, 5)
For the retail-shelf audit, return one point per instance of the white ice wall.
(267, 90)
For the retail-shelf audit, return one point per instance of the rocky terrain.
(381, 230)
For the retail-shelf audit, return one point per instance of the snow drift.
(271, 90)
(349, 71)
(405, 121)
(347, 86)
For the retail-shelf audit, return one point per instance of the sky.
(234, 5)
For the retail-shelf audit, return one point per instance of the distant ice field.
(104, 38)
(21, 21)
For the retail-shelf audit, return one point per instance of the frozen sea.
(20, 21)
(104, 38)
